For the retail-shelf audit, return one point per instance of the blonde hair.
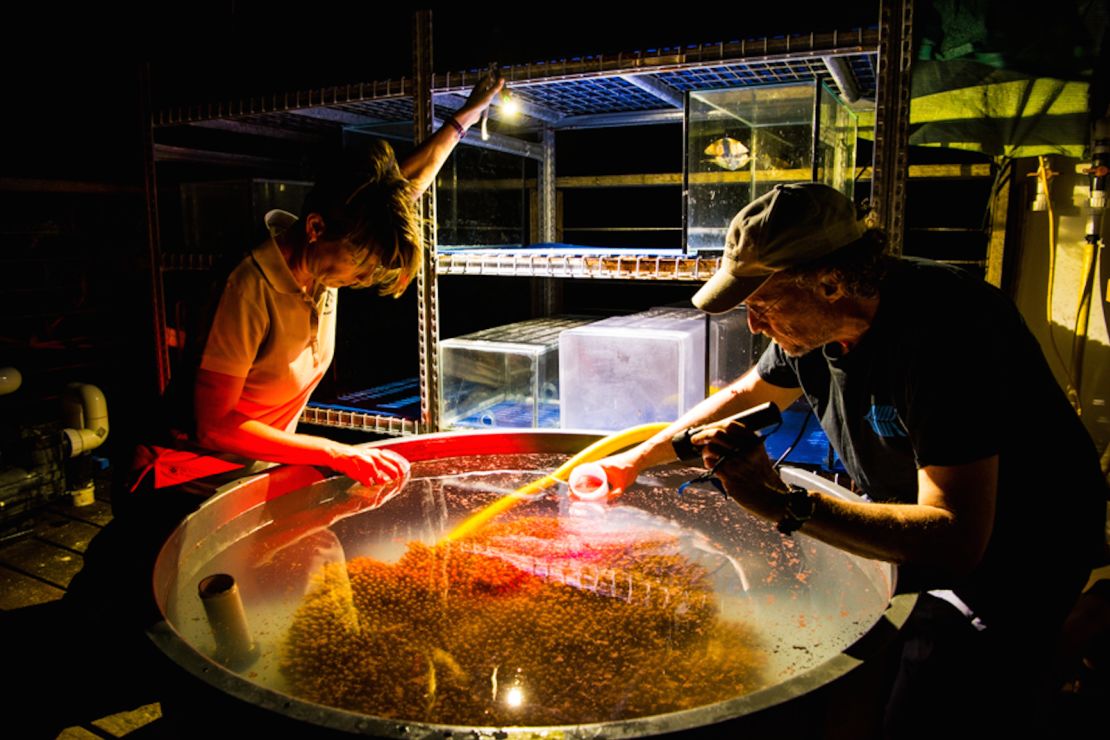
(376, 214)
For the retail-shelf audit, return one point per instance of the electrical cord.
(710, 474)
(797, 439)
(1082, 316)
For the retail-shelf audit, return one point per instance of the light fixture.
(510, 106)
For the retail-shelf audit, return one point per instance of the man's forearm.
(896, 533)
(657, 449)
(749, 390)
(948, 527)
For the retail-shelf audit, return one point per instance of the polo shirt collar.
(268, 256)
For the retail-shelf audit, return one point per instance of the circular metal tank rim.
(423, 447)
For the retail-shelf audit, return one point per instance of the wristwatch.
(799, 509)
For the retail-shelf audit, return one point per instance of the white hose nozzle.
(588, 482)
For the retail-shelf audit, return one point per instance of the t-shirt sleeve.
(954, 395)
(776, 368)
(238, 329)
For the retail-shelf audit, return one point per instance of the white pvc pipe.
(86, 418)
(222, 604)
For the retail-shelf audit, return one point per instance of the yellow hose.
(599, 449)
(1043, 174)
(1082, 316)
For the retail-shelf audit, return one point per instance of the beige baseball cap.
(786, 227)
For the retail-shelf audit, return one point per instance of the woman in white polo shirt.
(273, 334)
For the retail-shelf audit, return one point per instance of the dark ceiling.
(330, 46)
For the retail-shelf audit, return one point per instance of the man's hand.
(745, 470)
(621, 471)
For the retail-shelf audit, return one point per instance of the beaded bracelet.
(455, 125)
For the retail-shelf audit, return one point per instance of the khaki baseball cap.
(786, 227)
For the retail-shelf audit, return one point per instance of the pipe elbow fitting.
(86, 416)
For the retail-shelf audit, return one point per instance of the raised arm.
(422, 166)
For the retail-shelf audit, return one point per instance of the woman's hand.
(370, 466)
(480, 98)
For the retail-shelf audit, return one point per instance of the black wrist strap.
(454, 123)
(798, 510)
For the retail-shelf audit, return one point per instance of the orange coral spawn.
(519, 624)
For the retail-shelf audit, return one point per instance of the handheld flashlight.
(754, 419)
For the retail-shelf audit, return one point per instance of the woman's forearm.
(253, 439)
(422, 166)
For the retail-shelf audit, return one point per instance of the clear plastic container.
(588, 482)
(507, 376)
(629, 370)
(733, 349)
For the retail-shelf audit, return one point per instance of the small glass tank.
(482, 199)
(741, 142)
(507, 376)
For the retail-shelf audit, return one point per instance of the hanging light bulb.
(510, 106)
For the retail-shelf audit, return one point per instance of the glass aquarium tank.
(227, 216)
(483, 199)
(507, 376)
(741, 142)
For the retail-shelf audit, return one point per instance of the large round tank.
(656, 614)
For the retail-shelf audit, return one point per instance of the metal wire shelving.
(634, 88)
